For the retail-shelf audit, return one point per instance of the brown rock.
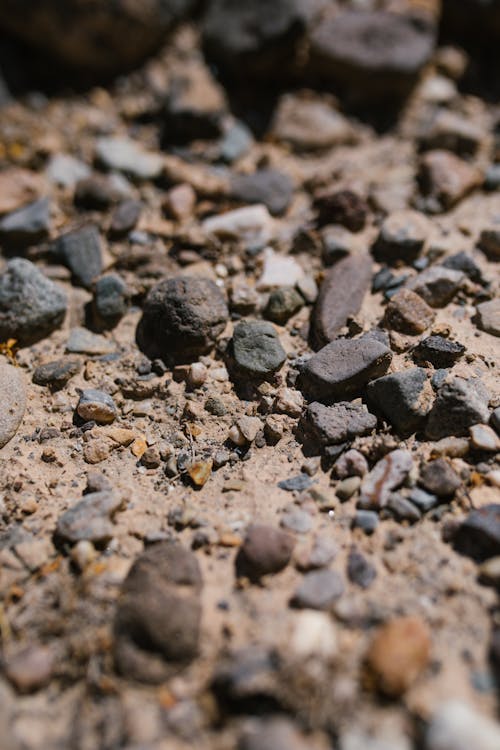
(408, 313)
(264, 550)
(445, 179)
(18, 187)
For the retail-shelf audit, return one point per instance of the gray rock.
(423, 500)
(488, 317)
(459, 404)
(246, 675)
(13, 401)
(30, 668)
(387, 475)
(296, 484)
(296, 520)
(367, 520)
(436, 285)
(110, 302)
(342, 367)
(352, 463)
(440, 352)
(81, 252)
(339, 423)
(402, 236)
(272, 734)
(236, 142)
(95, 193)
(479, 535)
(31, 306)
(26, 226)
(282, 304)
(308, 124)
(439, 478)
(265, 550)
(457, 726)
(82, 341)
(405, 398)
(56, 374)
(464, 262)
(359, 570)
(495, 419)
(319, 589)
(89, 519)
(128, 156)
(270, 187)
(64, 170)
(96, 406)
(403, 509)
(124, 218)
(451, 131)
(256, 348)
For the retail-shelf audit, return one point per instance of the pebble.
(81, 252)
(402, 236)
(95, 193)
(13, 401)
(272, 734)
(367, 520)
(423, 500)
(313, 636)
(451, 131)
(387, 475)
(342, 367)
(352, 463)
(180, 202)
(199, 471)
(253, 226)
(460, 403)
(64, 170)
(439, 478)
(319, 589)
(492, 177)
(257, 349)
(320, 555)
(83, 341)
(248, 674)
(56, 374)
(359, 570)
(439, 351)
(30, 669)
(436, 285)
(347, 487)
(282, 304)
(127, 156)
(96, 406)
(278, 270)
(479, 534)
(265, 550)
(89, 519)
(289, 401)
(339, 423)
(296, 484)
(182, 318)
(398, 654)
(484, 438)
(157, 621)
(405, 398)
(489, 242)
(309, 124)
(124, 218)
(269, 187)
(403, 509)
(26, 226)
(83, 554)
(464, 262)
(110, 301)
(344, 207)
(445, 179)
(341, 295)
(236, 142)
(31, 306)
(297, 520)
(245, 430)
(457, 726)
(408, 313)
(488, 317)
(495, 419)
(337, 242)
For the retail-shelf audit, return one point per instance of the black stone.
(479, 535)
(56, 374)
(440, 352)
(81, 252)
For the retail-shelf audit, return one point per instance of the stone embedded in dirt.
(408, 313)
(402, 236)
(272, 734)
(436, 285)
(483, 438)
(451, 131)
(124, 218)
(402, 508)
(89, 519)
(405, 398)
(65, 170)
(398, 654)
(129, 157)
(352, 463)
(96, 406)
(282, 304)
(82, 341)
(157, 621)
(439, 478)
(289, 401)
(247, 675)
(30, 668)
(57, 373)
(26, 226)
(278, 270)
(245, 430)
(372, 55)
(256, 348)
(81, 251)
(489, 242)
(309, 124)
(459, 404)
(337, 242)
(359, 570)
(110, 301)
(341, 295)
(13, 401)
(179, 202)
(319, 555)
(347, 487)
(344, 207)
(464, 262)
(495, 419)
(268, 187)
(296, 484)
(423, 500)
(445, 179)
(251, 225)
(488, 317)
(297, 520)
(479, 535)
(366, 520)
(18, 187)
(31, 305)
(387, 475)
(265, 550)
(319, 589)
(439, 351)
(339, 423)
(342, 367)
(455, 725)
(182, 318)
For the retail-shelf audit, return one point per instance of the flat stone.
(339, 423)
(484, 438)
(359, 570)
(296, 484)
(405, 398)
(402, 508)
(268, 187)
(439, 478)
(13, 401)
(488, 317)
(256, 348)
(251, 225)
(386, 476)
(344, 207)
(110, 301)
(402, 236)
(422, 499)
(408, 313)
(26, 226)
(445, 179)
(30, 668)
(457, 726)
(479, 535)
(464, 262)
(96, 406)
(319, 589)
(439, 351)
(83, 341)
(309, 124)
(297, 520)
(265, 550)
(341, 295)
(57, 373)
(366, 520)
(342, 367)
(65, 170)
(459, 404)
(451, 131)
(127, 156)
(436, 285)
(89, 519)
(81, 252)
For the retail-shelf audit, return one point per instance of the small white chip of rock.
(252, 225)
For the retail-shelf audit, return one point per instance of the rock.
(403, 509)
(26, 226)
(359, 570)
(372, 55)
(386, 737)
(342, 367)
(402, 236)
(245, 430)
(252, 225)
(96, 406)
(265, 550)
(95, 193)
(347, 488)
(199, 471)
(127, 156)
(81, 252)
(289, 401)
(457, 726)
(352, 463)
(256, 349)
(18, 187)
(272, 734)
(387, 475)
(424, 501)
(56, 374)
(341, 295)
(282, 304)
(464, 262)
(110, 301)
(268, 187)
(247, 674)
(439, 478)
(339, 423)
(278, 270)
(319, 555)
(459, 404)
(89, 519)
(440, 352)
(344, 207)
(65, 171)
(445, 179)
(82, 341)
(180, 202)
(451, 131)
(398, 654)
(313, 637)
(318, 590)
(297, 520)
(484, 438)
(124, 218)
(182, 318)
(488, 317)
(495, 419)
(337, 242)
(296, 484)
(492, 177)
(405, 398)
(408, 313)
(157, 621)
(436, 285)
(479, 535)
(309, 124)
(236, 142)
(31, 306)
(489, 242)
(30, 668)
(13, 395)
(367, 520)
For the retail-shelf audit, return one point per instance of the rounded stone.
(282, 304)
(256, 348)
(96, 406)
(13, 390)
(265, 550)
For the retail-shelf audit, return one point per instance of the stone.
(296, 520)
(245, 675)
(352, 463)
(182, 318)
(483, 438)
(31, 306)
(492, 177)
(423, 500)
(256, 349)
(96, 406)
(82, 341)
(180, 202)
(128, 156)
(253, 226)
(124, 218)
(402, 236)
(319, 589)
(13, 401)
(309, 124)
(451, 131)
(296, 484)
(265, 550)
(403, 509)
(479, 534)
(95, 193)
(282, 304)
(337, 242)
(459, 404)
(289, 401)
(19, 187)
(387, 475)
(268, 187)
(65, 170)
(236, 142)
(408, 313)
(359, 570)
(436, 285)
(89, 519)
(336, 424)
(400, 651)
(157, 620)
(439, 478)
(344, 207)
(341, 296)
(27, 226)
(272, 734)
(405, 398)
(438, 351)
(199, 471)
(488, 317)
(277, 271)
(342, 367)
(313, 636)
(445, 179)
(457, 726)
(110, 301)
(81, 251)
(245, 430)
(489, 242)
(319, 555)
(30, 668)
(464, 262)
(495, 419)
(346, 488)
(366, 520)
(57, 373)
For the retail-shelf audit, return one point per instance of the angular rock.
(408, 313)
(464, 262)
(96, 406)
(489, 242)
(488, 317)
(268, 187)
(484, 438)
(479, 535)
(30, 668)
(459, 404)
(12, 400)
(319, 589)
(405, 398)
(265, 550)
(124, 155)
(251, 225)
(457, 726)
(451, 131)
(308, 124)
(256, 348)
(57, 373)
(344, 207)
(81, 252)
(110, 302)
(339, 423)
(64, 170)
(89, 519)
(402, 236)
(278, 270)
(403, 509)
(296, 484)
(26, 226)
(445, 179)
(282, 304)
(82, 341)
(359, 570)
(387, 475)
(436, 285)
(440, 352)
(95, 193)
(439, 478)
(124, 218)
(367, 520)
(236, 142)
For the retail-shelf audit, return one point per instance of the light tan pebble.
(193, 410)
(197, 375)
(96, 450)
(245, 430)
(274, 428)
(83, 553)
(490, 570)
(289, 401)
(220, 374)
(120, 435)
(484, 438)
(313, 635)
(493, 478)
(347, 487)
(453, 447)
(31, 668)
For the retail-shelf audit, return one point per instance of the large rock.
(13, 401)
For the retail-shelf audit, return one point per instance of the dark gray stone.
(81, 252)
(339, 423)
(236, 142)
(402, 236)
(319, 589)
(439, 478)
(96, 406)
(26, 226)
(367, 520)
(268, 186)
(282, 304)
(423, 500)
(359, 570)
(459, 404)
(464, 262)
(404, 398)
(479, 535)
(437, 285)
(110, 302)
(440, 352)
(296, 484)
(265, 550)
(56, 374)
(403, 509)
(256, 348)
